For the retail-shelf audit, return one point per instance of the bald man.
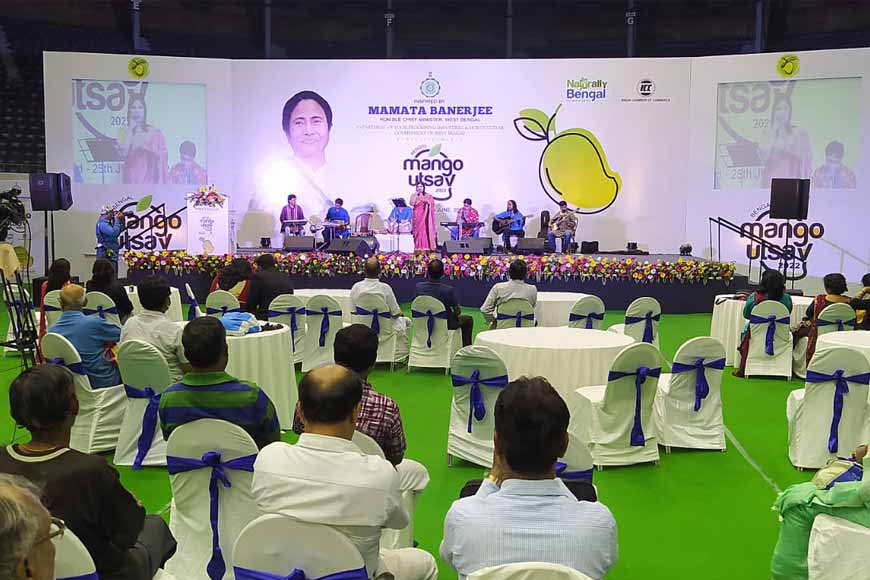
(25, 532)
(90, 335)
(372, 285)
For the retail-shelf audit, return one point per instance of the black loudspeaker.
(356, 246)
(589, 247)
(474, 246)
(50, 191)
(299, 243)
(789, 198)
(530, 246)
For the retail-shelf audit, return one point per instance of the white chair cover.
(189, 518)
(833, 318)
(72, 559)
(392, 346)
(194, 311)
(621, 430)
(278, 545)
(641, 321)
(479, 375)
(51, 306)
(770, 352)
(101, 411)
(99, 304)
(433, 349)
(812, 412)
(528, 571)
(515, 313)
(289, 310)
(838, 550)
(220, 302)
(688, 405)
(324, 320)
(367, 445)
(588, 312)
(142, 368)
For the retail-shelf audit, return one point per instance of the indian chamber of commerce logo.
(573, 165)
(138, 67)
(646, 88)
(797, 253)
(434, 169)
(430, 87)
(788, 65)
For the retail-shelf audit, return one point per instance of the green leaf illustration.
(435, 150)
(536, 114)
(144, 203)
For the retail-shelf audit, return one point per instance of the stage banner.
(208, 222)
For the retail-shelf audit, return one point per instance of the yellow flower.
(628, 261)
(679, 260)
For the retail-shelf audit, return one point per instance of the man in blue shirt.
(109, 227)
(90, 335)
(515, 222)
(435, 288)
(337, 214)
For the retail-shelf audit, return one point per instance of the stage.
(682, 284)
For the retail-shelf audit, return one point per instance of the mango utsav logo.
(573, 165)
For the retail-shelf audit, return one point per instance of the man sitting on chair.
(435, 288)
(325, 479)
(208, 392)
(90, 335)
(372, 285)
(28, 553)
(267, 283)
(522, 511)
(81, 489)
(468, 220)
(504, 291)
(337, 214)
(563, 226)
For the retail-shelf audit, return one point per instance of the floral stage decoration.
(207, 196)
(548, 267)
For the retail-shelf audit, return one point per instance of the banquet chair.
(194, 311)
(145, 375)
(528, 571)
(220, 302)
(72, 561)
(478, 376)
(833, 318)
(99, 304)
(101, 411)
(289, 310)
(617, 417)
(432, 344)
(588, 312)
(515, 313)
(837, 549)
(688, 405)
(192, 450)
(52, 308)
(278, 545)
(770, 344)
(641, 321)
(372, 311)
(324, 320)
(826, 419)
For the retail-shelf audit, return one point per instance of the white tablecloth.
(343, 297)
(855, 339)
(174, 312)
(569, 358)
(728, 321)
(396, 243)
(553, 308)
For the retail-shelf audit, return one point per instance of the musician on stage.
(563, 225)
(399, 221)
(468, 220)
(109, 226)
(510, 223)
(291, 211)
(337, 215)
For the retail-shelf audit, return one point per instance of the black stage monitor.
(789, 198)
(50, 191)
(531, 246)
(299, 243)
(357, 246)
(473, 246)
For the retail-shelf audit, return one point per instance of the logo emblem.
(430, 87)
(646, 88)
(138, 67)
(788, 65)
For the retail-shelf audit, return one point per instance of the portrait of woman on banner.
(146, 158)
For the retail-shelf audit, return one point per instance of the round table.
(728, 321)
(854, 339)
(553, 308)
(569, 358)
(343, 297)
(174, 312)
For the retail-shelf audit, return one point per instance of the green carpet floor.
(698, 514)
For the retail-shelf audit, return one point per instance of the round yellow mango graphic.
(138, 67)
(788, 65)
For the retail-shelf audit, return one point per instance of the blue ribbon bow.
(149, 420)
(771, 322)
(647, 319)
(297, 574)
(216, 566)
(841, 324)
(519, 316)
(191, 312)
(78, 368)
(324, 322)
(100, 311)
(589, 317)
(476, 407)
(640, 375)
(702, 388)
(292, 311)
(841, 389)
(430, 322)
(376, 316)
(563, 473)
(222, 310)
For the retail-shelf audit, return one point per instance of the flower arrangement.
(207, 196)
(488, 268)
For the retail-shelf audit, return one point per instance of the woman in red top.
(835, 293)
(235, 278)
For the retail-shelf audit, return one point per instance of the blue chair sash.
(78, 368)
(841, 324)
(216, 566)
(292, 311)
(589, 317)
(100, 311)
(640, 375)
(702, 388)
(519, 317)
(376, 316)
(842, 388)
(647, 319)
(222, 310)
(476, 407)
(430, 322)
(149, 420)
(51, 308)
(297, 574)
(191, 312)
(771, 322)
(91, 576)
(563, 473)
(324, 322)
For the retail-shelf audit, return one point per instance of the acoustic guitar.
(500, 225)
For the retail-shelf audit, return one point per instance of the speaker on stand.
(789, 200)
(50, 192)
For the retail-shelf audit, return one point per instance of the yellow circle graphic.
(138, 67)
(788, 65)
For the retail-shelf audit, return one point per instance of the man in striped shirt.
(208, 392)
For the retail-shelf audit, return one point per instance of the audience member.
(771, 287)
(154, 327)
(58, 277)
(105, 280)
(372, 285)
(208, 392)
(522, 512)
(445, 293)
(25, 532)
(235, 278)
(861, 304)
(516, 287)
(324, 479)
(835, 293)
(91, 336)
(81, 489)
(267, 284)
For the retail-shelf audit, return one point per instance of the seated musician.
(291, 212)
(509, 223)
(399, 221)
(563, 226)
(336, 215)
(468, 221)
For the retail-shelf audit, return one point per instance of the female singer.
(424, 219)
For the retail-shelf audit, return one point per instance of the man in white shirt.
(154, 327)
(326, 479)
(522, 512)
(516, 287)
(372, 285)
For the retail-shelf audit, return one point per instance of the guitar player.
(509, 223)
(563, 226)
